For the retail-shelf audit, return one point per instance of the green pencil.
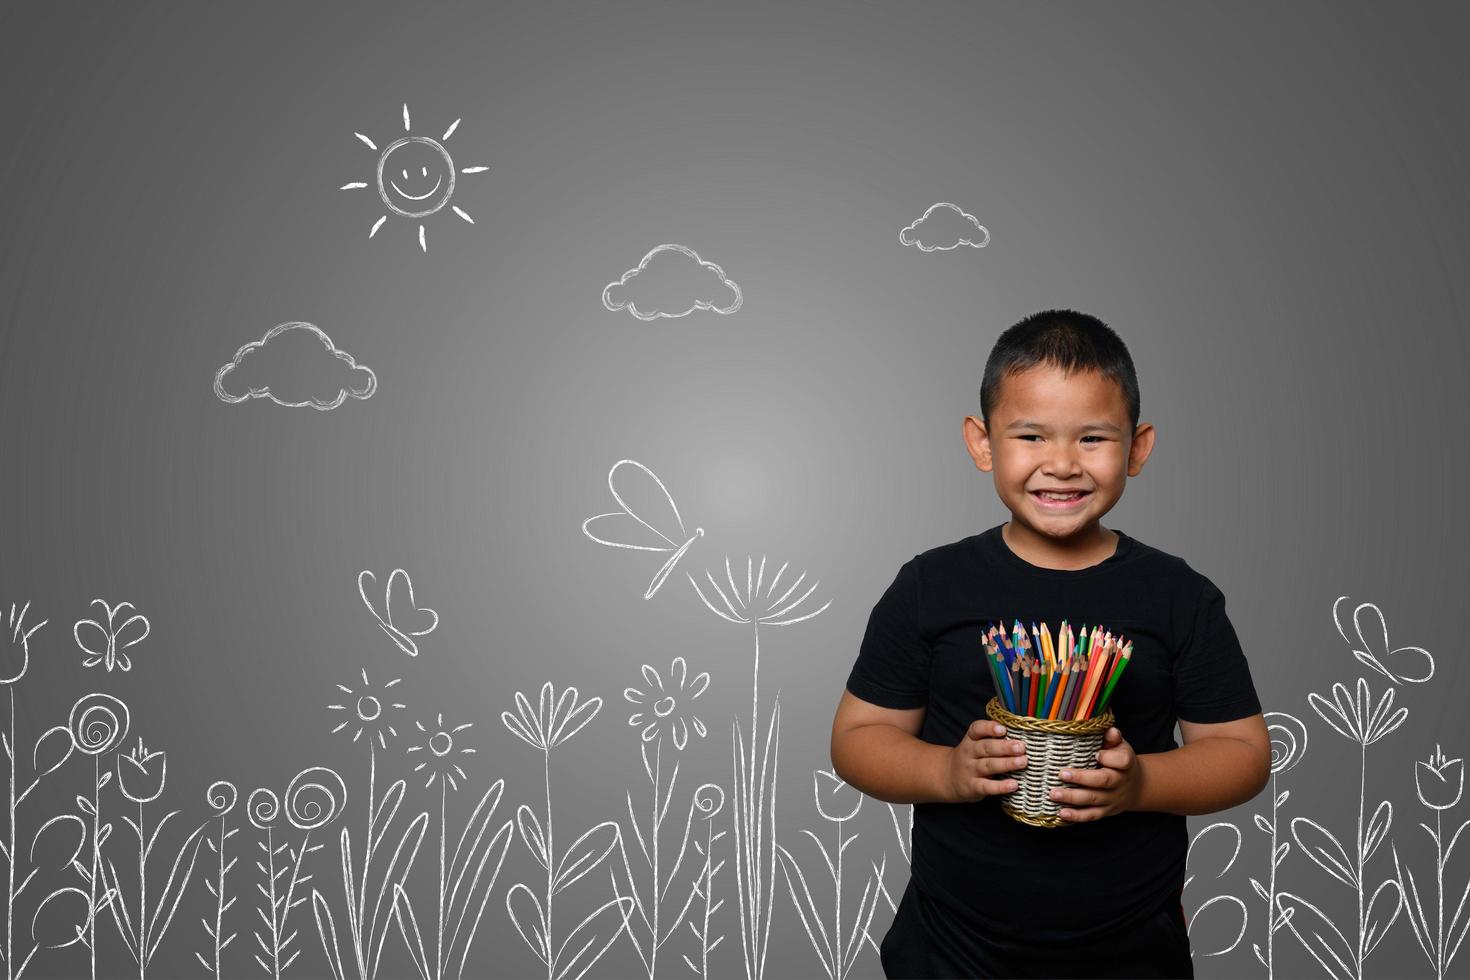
(1113, 681)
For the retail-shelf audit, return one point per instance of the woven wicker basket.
(1051, 745)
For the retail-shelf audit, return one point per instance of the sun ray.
(450, 131)
(422, 243)
(474, 170)
(405, 117)
(370, 144)
(355, 185)
(459, 211)
(376, 225)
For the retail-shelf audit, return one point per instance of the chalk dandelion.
(755, 605)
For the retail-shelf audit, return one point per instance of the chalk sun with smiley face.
(415, 177)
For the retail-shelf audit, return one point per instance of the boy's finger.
(995, 787)
(984, 728)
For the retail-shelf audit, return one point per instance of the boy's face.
(1051, 431)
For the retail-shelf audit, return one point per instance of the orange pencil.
(1062, 679)
(1094, 679)
(1047, 648)
(1085, 696)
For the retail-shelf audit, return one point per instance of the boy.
(1099, 896)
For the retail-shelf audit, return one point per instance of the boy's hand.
(1102, 792)
(983, 754)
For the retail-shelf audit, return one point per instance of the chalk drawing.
(1373, 650)
(837, 803)
(141, 776)
(63, 916)
(455, 896)
(709, 799)
(403, 620)
(622, 526)
(903, 829)
(314, 798)
(1363, 723)
(665, 711)
(754, 794)
(415, 177)
(672, 277)
(98, 723)
(221, 797)
(278, 361)
(551, 723)
(1439, 784)
(1288, 747)
(950, 228)
(1233, 901)
(104, 644)
(367, 710)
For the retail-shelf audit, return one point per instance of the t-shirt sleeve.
(1212, 681)
(892, 667)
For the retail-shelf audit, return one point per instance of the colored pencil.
(1063, 679)
(1113, 681)
(1095, 682)
(1069, 703)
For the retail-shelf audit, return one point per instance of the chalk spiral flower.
(98, 723)
(104, 644)
(709, 800)
(314, 798)
(221, 797)
(1438, 781)
(754, 606)
(554, 721)
(263, 808)
(837, 794)
(1285, 731)
(15, 651)
(668, 706)
(1357, 719)
(141, 774)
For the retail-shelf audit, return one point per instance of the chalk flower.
(104, 639)
(836, 800)
(367, 709)
(436, 750)
(751, 604)
(15, 649)
(98, 723)
(141, 774)
(1288, 740)
(1356, 718)
(1438, 781)
(667, 705)
(553, 721)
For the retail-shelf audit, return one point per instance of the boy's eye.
(1032, 435)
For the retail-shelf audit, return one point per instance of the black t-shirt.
(994, 876)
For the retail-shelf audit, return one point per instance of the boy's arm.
(1218, 767)
(878, 750)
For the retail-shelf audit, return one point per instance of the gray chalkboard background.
(1267, 204)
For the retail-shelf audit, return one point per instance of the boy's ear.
(977, 442)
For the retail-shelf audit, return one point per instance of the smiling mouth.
(420, 197)
(1059, 503)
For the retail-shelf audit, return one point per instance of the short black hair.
(1066, 339)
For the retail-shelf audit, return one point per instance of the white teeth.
(1060, 496)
